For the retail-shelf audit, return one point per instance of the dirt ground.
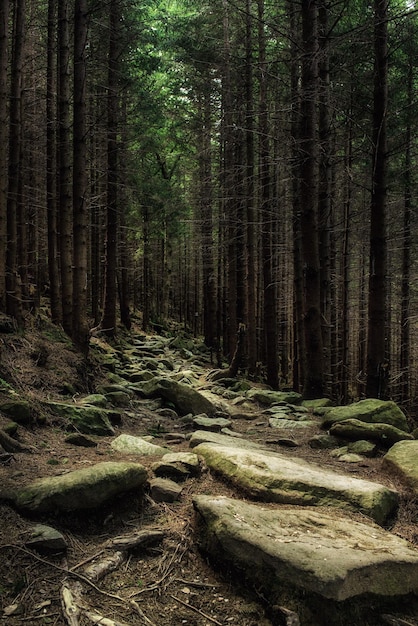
(167, 584)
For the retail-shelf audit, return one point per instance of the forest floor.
(166, 585)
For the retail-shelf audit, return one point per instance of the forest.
(244, 170)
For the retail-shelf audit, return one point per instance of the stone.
(118, 398)
(177, 465)
(402, 460)
(319, 403)
(323, 442)
(89, 420)
(46, 539)
(11, 428)
(205, 436)
(77, 439)
(87, 488)
(215, 425)
(365, 448)
(94, 399)
(289, 424)
(184, 398)
(18, 410)
(268, 397)
(385, 434)
(371, 411)
(164, 490)
(137, 445)
(326, 554)
(274, 477)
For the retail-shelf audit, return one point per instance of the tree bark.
(80, 330)
(108, 322)
(64, 166)
(377, 361)
(4, 36)
(266, 216)
(51, 168)
(314, 362)
(13, 283)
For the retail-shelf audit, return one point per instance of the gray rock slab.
(86, 488)
(164, 490)
(402, 459)
(214, 424)
(268, 397)
(137, 445)
(46, 539)
(371, 411)
(205, 436)
(274, 477)
(330, 555)
(290, 424)
(177, 464)
(385, 434)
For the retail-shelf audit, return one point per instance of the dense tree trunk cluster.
(236, 168)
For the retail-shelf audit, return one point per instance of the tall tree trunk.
(206, 216)
(324, 192)
(228, 180)
(13, 285)
(108, 322)
(64, 165)
(266, 213)
(251, 335)
(406, 245)
(298, 333)
(4, 35)
(377, 363)
(80, 330)
(314, 361)
(51, 167)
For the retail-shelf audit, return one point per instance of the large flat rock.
(370, 410)
(326, 554)
(86, 488)
(274, 477)
(402, 459)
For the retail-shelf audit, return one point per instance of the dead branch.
(100, 569)
(196, 610)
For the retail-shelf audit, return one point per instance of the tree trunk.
(266, 214)
(377, 362)
(64, 165)
(80, 330)
(13, 285)
(314, 363)
(108, 322)
(206, 217)
(4, 35)
(406, 245)
(324, 192)
(51, 168)
(251, 217)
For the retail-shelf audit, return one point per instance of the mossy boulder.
(402, 460)
(94, 399)
(184, 398)
(385, 434)
(371, 411)
(87, 488)
(90, 420)
(267, 397)
(137, 445)
(18, 410)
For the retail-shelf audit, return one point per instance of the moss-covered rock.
(370, 411)
(86, 488)
(19, 410)
(137, 445)
(402, 459)
(268, 397)
(90, 420)
(354, 429)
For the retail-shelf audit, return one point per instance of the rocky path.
(182, 500)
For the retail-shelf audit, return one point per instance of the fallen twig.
(196, 610)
